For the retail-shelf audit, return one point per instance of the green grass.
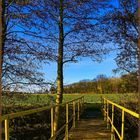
(45, 99)
(96, 98)
(27, 100)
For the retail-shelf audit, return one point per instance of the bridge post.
(78, 115)
(82, 103)
(73, 114)
(112, 130)
(107, 115)
(122, 129)
(104, 109)
(67, 122)
(52, 122)
(6, 129)
(80, 106)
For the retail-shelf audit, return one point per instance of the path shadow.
(92, 110)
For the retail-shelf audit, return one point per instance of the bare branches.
(121, 25)
(32, 31)
(73, 59)
(24, 48)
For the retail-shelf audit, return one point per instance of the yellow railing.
(110, 119)
(76, 103)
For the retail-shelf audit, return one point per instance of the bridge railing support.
(77, 104)
(78, 113)
(110, 120)
(112, 130)
(67, 122)
(104, 109)
(74, 114)
(52, 122)
(7, 129)
(122, 128)
(107, 115)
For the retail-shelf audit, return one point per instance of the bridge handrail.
(107, 118)
(32, 111)
(6, 118)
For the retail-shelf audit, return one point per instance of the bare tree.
(121, 26)
(64, 29)
(72, 32)
(22, 48)
(76, 38)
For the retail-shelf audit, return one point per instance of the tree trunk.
(139, 67)
(1, 48)
(59, 68)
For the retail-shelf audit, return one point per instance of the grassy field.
(96, 98)
(47, 99)
(27, 100)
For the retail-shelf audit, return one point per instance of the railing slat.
(6, 129)
(73, 114)
(122, 129)
(78, 117)
(67, 122)
(107, 115)
(52, 122)
(112, 130)
(104, 110)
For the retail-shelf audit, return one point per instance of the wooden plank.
(90, 127)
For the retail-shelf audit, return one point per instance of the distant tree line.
(127, 83)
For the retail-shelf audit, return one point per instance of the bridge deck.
(90, 127)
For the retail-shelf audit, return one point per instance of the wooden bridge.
(91, 126)
(82, 121)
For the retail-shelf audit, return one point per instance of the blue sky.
(84, 69)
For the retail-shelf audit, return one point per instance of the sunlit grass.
(27, 100)
(47, 99)
(96, 98)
